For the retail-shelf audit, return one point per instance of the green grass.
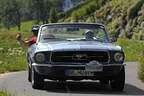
(25, 27)
(133, 49)
(12, 55)
(141, 69)
(4, 93)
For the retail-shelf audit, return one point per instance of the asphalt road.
(17, 84)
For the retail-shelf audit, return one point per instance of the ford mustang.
(75, 51)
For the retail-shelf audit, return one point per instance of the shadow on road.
(89, 88)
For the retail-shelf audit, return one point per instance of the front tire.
(37, 80)
(29, 74)
(117, 84)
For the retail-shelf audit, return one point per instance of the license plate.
(79, 73)
(94, 66)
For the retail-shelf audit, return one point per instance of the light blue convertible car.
(75, 51)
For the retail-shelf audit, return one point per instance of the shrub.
(139, 32)
(134, 10)
(87, 10)
(53, 15)
(114, 28)
(71, 10)
(75, 17)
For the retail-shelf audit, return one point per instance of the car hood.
(77, 46)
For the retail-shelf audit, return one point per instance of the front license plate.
(79, 73)
(94, 66)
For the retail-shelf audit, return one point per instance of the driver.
(49, 35)
(89, 35)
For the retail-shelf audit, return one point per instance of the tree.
(6, 14)
(53, 15)
(10, 13)
(17, 14)
(40, 10)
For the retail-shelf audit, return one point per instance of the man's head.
(35, 29)
(89, 35)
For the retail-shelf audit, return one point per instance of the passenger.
(89, 35)
(49, 35)
(35, 30)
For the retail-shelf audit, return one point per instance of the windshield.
(73, 32)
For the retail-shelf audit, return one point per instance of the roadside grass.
(4, 93)
(141, 69)
(12, 55)
(134, 51)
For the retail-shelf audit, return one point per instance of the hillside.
(122, 17)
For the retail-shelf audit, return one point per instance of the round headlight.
(118, 57)
(40, 57)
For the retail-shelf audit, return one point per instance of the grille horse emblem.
(79, 57)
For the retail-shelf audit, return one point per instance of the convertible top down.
(75, 51)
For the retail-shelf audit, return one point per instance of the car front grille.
(80, 56)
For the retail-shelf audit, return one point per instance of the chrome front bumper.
(49, 70)
(51, 65)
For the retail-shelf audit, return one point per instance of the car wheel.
(37, 80)
(29, 74)
(117, 84)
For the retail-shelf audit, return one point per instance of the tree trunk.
(19, 27)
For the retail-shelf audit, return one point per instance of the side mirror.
(113, 39)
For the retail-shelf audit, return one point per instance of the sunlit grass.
(4, 93)
(134, 51)
(12, 55)
(132, 48)
(141, 69)
(25, 27)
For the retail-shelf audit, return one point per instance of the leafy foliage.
(66, 14)
(10, 14)
(86, 10)
(16, 11)
(114, 28)
(134, 10)
(53, 15)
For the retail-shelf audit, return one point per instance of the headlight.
(40, 57)
(118, 57)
